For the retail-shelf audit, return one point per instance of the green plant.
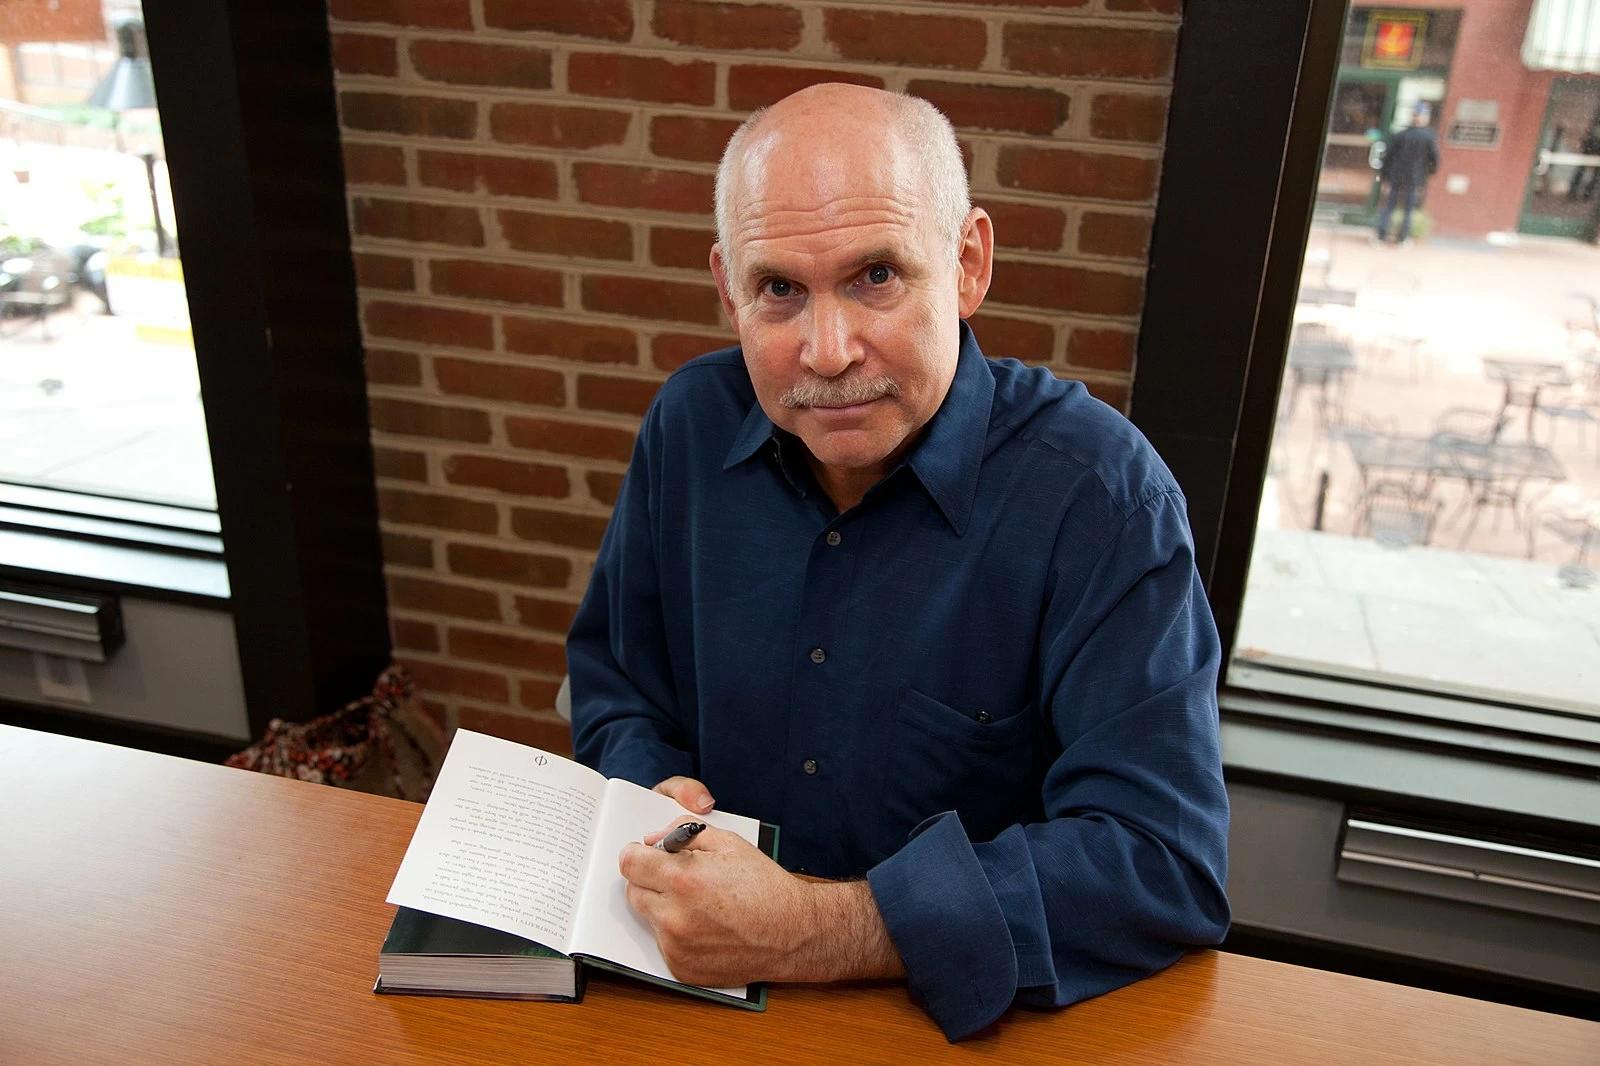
(13, 244)
(106, 199)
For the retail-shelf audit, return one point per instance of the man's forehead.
(826, 191)
(807, 216)
(824, 238)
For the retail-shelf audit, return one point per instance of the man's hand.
(725, 914)
(690, 794)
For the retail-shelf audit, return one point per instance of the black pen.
(679, 838)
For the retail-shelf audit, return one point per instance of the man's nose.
(831, 345)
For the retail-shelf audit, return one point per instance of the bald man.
(936, 616)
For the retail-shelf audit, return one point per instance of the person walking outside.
(1410, 159)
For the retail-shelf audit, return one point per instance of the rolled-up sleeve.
(1127, 871)
(625, 718)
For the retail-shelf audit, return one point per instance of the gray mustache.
(820, 392)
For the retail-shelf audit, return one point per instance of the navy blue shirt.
(989, 687)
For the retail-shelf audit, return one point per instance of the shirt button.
(833, 538)
(983, 716)
(818, 656)
(809, 766)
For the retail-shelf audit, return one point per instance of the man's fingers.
(651, 838)
(713, 839)
(645, 904)
(644, 867)
(689, 793)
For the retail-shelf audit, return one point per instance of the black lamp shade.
(129, 86)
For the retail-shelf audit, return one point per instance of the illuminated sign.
(1394, 40)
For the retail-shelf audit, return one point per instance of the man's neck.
(845, 488)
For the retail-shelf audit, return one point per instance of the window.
(1430, 520)
(256, 205)
(99, 392)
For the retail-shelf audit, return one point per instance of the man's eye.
(780, 288)
(879, 274)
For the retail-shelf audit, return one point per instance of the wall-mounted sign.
(1394, 40)
(1473, 135)
(1477, 110)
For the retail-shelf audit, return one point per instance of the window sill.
(157, 551)
(56, 559)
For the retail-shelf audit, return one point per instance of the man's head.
(1421, 114)
(847, 253)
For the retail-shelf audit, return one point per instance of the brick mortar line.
(564, 594)
(411, 615)
(442, 448)
(580, 264)
(1097, 377)
(652, 109)
(1012, 79)
(1091, 17)
(433, 617)
(583, 507)
(580, 558)
(449, 303)
(484, 584)
(1007, 12)
(569, 367)
(444, 658)
(1089, 319)
(1035, 315)
(1004, 194)
(497, 257)
(491, 406)
(687, 220)
(509, 629)
(560, 506)
(414, 194)
(648, 271)
(646, 327)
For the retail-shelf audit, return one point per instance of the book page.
(607, 927)
(503, 840)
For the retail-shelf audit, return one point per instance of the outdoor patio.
(87, 403)
(1432, 509)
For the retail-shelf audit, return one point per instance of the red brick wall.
(530, 195)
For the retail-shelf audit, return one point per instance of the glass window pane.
(1431, 517)
(98, 387)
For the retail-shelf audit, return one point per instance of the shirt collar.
(947, 458)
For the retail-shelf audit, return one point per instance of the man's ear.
(719, 271)
(975, 260)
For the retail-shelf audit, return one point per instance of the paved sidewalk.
(92, 407)
(1463, 623)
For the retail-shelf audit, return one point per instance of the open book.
(525, 842)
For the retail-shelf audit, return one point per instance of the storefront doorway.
(1563, 198)
(1368, 106)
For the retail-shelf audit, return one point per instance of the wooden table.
(158, 910)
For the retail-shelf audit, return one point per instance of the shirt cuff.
(945, 921)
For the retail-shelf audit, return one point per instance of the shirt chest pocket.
(943, 759)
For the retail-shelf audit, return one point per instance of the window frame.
(251, 136)
(1224, 284)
